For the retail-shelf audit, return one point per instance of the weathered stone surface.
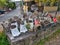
(1, 28)
(31, 38)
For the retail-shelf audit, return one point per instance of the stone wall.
(35, 37)
(49, 8)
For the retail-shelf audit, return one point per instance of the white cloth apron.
(31, 23)
(23, 28)
(15, 32)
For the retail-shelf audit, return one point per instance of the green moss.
(42, 42)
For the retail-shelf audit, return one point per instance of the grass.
(42, 41)
(3, 39)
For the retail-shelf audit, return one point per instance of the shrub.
(3, 39)
(11, 5)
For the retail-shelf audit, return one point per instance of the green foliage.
(49, 2)
(3, 3)
(41, 42)
(3, 39)
(6, 3)
(11, 5)
(28, 26)
(59, 6)
(44, 1)
(53, 2)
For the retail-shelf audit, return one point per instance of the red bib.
(36, 22)
(55, 20)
